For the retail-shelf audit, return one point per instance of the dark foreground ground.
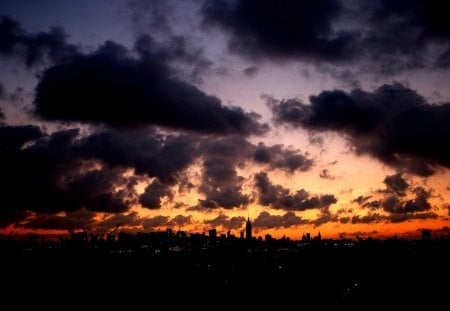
(359, 277)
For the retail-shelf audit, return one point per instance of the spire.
(248, 229)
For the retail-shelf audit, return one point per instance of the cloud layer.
(378, 123)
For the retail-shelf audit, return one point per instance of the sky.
(304, 116)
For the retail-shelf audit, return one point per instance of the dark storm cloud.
(95, 189)
(115, 221)
(153, 193)
(34, 48)
(220, 183)
(109, 86)
(267, 221)
(278, 197)
(420, 203)
(221, 157)
(52, 178)
(179, 51)
(74, 220)
(378, 123)
(281, 29)
(231, 223)
(403, 31)
(396, 184)
(277, 156)
(146, 151)
(12, 138)
(180, 220)
(394, 203)
(391, 218)
(324, 217)
(154, 222)
(64, 171)
(396, 217)
(374, 36)
(368, 219)
(364, 201)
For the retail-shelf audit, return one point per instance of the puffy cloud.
(378, 123)
(277, 156)
(278, 197)
(180, 220)
(221, 184)
(281, 29)
(395, 201)
(131, 219)
(324, 217)
(368, 219)
(377, 37)
(396, 184)
(268, 221)
(151, 198)
(111, 87)
(145, 150)
(34, 48)
(155, 222)
(64, 171)
(231, 223)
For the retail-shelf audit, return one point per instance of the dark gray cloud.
(391, 218)
(268, 221)
(324, 217)
(365, 202)
(396, 202)
(222, 185)
(393, 204)
(368, 219)
(279, 197)
(281, 29)
(96, 189)
(65, 171)
(153, 193)
(180, 220)
(277, 156)
(111, 222)
(146, 151)
(226, 222)
(378, 37)
(80, 219)
(109, 86)
(155, 222)
(378, 123)
(396, 184)
(398, 217)
(34, 48)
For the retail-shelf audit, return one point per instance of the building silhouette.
(248, 229)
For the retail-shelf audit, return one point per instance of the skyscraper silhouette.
(248, 229)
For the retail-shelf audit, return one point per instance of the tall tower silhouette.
(248, 229)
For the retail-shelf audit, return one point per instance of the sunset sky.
(305, 116)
